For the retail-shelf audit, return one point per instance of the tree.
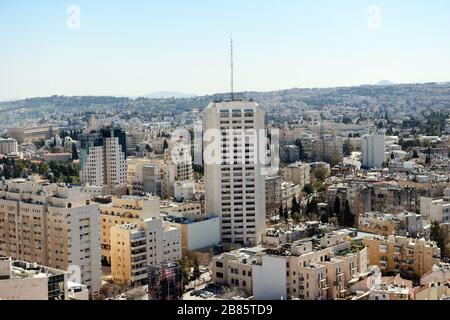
(295, 208)
(165, 145)
(337, 207)
(39, 143)
(286, 214)
(281, 212)
(196, 272)
(53, 144)
(185, 268)
(320, 174)
(74, 152)
(298, 143)
(308, 189)
(347, 219)
(347, 148)
(311, 207)
(438, 235)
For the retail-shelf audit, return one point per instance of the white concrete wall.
(203, 234)
(269, 279)
(24, 289)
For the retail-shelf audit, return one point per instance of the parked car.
(206, 295)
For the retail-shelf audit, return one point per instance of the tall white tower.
(234, 153)
(373, 151)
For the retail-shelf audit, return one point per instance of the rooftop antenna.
(232, 71)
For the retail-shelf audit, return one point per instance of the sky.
(135, 47)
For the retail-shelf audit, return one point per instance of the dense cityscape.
(302, 194)
(224, 159)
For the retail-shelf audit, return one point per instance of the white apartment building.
(184, 190)
(373, 153)
(234, 176)
(115, 164)
(307, 272)
(52, 225)
(136, 246)
(435, 209)
(304, 269)
(8, 146)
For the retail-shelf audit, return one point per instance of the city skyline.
(123, 50)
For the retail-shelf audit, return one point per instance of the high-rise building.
(372, 151)
(103, 160)
(52, 225)
(235, 147)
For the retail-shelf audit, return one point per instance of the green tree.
(311, 207)
(347, 218)
(286, 214)
(39, 143)
(295, 208)
(185, 269)
(196, 272)
(320, 174)
(281, 212)
(347, 148)
(337, 207)
(74, 152)
(438, 235)
(165, 145)
(308, 189)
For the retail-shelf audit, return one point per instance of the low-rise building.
(184, 190)
(198, 235)
(297, 173)
(124, 210)
(434, 291)
(440, 273)
(190, 210)
(407, 256)
(21, 280)
(136, 246)
(385, 224)
(435, 209)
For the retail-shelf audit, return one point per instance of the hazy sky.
(136, 47)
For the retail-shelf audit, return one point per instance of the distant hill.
(385, 83)
(168, 95)
(276, 103)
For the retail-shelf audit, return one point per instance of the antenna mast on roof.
(232, 71)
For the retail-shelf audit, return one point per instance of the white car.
(206, 295)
